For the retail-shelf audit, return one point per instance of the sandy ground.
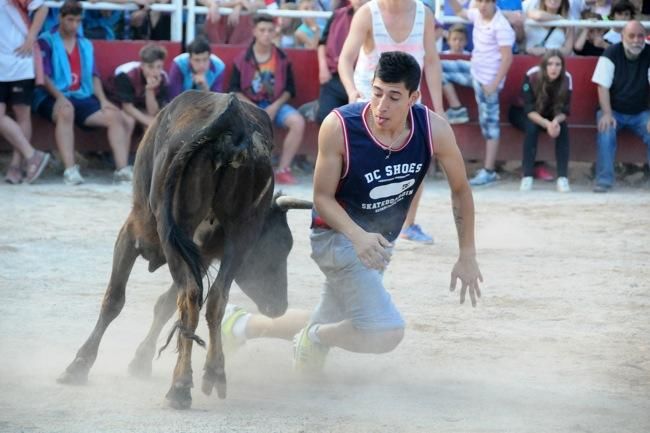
(559, 343)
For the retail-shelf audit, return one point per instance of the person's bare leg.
(296, 128)
(12, 132)
(112, 120)
(450, 93)
(492, 147)
(284, 327)
(342, 334)
(347, 337)
(64, 134)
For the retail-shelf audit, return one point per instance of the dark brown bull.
(203, 190)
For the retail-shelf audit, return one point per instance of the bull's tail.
(177, 239)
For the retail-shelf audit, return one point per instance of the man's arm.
(98, 91)
(432, 68)
(359, 30)
(607, 119)
(466, 268)
(458, 9)
(370, 247)
(138, 115)
(34, 28)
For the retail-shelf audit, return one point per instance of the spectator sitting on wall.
(457, 40)
(622, 78)
(18, 72)
(141, 87)
(538, 38)
(262, 75)
(73, 94)
(590, 42)
(546, 95)
(622, 10)
(197, 69)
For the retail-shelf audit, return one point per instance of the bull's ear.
(286, 202)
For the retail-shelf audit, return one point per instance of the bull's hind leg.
(124, 255)
(140, 366)
(179, 395)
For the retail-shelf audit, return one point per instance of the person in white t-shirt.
(485, 72)
(17, 76)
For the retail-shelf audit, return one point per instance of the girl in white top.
(539, 39)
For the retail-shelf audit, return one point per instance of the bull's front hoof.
(75, 374)
(140, 368)
(179, 397)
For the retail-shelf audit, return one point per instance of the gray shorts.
(351, 291)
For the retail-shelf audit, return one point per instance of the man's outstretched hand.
(466, 270)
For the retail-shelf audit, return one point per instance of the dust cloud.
(558, 342)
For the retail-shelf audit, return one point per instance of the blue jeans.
(607, 142)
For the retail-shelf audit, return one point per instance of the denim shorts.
(284, 111)
(351, 290)
(458, 72)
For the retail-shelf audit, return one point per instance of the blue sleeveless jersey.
(377, 185)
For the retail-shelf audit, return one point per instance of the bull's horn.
(287, 202)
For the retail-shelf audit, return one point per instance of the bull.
(203, 190)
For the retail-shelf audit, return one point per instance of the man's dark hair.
(199, 45)
(262, 18)
(622, 6)
(70, 7)
(399, 67)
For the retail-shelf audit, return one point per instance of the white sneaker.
(124, 174)
(71, 176)
(563, 185)
(526, 183)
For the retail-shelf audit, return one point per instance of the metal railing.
(193, 10)
(174, 8)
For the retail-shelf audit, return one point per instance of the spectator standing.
(332, 92)
(590, 42)
(539, 39)
(262, 75)
(287, 26)
(622, 74)
(622, 10)
(235, 28)
(73, 94)
(546, 92)
(197, 69)
(141, 87)
(485, 72)
(392, 25)
(18, 67)
(308, 33)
